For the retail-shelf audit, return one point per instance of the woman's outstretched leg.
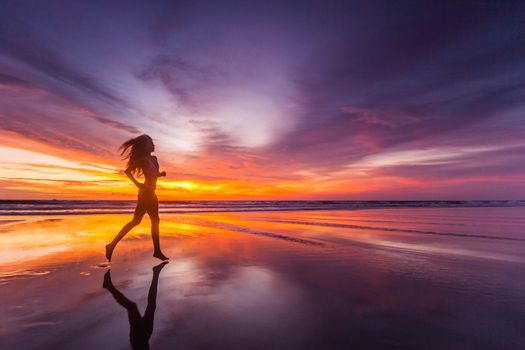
(137, 218)
(110, 247)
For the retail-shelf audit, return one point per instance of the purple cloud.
(272, 90)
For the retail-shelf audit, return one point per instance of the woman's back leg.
(140, 210)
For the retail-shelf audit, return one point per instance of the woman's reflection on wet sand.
(140, 327)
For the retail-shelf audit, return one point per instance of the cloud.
(9, 80)
(463, 163)
(273, 95)
(113, 123)
(388, 118)
(25, 46)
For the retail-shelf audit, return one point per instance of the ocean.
(72, 207)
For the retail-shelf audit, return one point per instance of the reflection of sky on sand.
(228, 285)
(251, 304)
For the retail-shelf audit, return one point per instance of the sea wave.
(76, 207)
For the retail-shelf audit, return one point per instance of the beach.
(391, 278)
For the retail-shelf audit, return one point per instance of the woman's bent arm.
(132, 178)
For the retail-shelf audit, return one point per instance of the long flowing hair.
(134, 150)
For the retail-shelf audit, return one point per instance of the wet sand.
(397, 278)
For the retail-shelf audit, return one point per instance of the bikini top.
(151, 166)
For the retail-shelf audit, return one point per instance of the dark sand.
(375, 279)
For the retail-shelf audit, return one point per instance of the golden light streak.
(45, 174)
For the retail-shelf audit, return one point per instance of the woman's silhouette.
(138, 153)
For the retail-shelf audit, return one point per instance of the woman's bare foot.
(109, 251)
(160, 256)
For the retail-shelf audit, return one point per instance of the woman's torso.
(150, 169)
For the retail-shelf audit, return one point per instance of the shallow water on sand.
(433, 278)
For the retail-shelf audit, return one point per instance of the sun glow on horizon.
(56, 177)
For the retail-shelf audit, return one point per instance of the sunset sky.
(264, 100)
